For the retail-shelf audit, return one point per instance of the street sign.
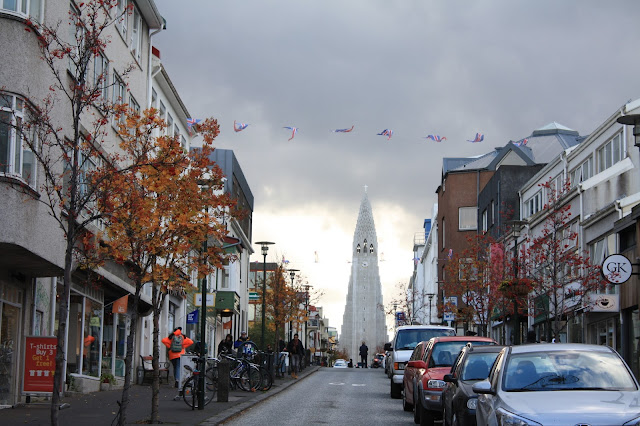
(254, 296)
(616, 269)
(211, 300)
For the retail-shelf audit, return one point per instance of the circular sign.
(616, 269)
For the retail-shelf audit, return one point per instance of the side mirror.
(450, 379)
(483, 387)
(417, 364)
(387, 347)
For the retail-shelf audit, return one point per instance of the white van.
(400, 349)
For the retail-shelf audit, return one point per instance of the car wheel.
(454, 421)
(444, 415)
(426, 417)
(396, 390)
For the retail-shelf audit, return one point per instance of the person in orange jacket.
(176, 342)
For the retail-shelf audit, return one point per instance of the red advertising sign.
(39, 364)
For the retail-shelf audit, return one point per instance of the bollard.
(224, 368)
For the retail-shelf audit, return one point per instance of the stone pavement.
(99, 408)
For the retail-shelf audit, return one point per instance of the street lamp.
(430, 296)
(306, 313)
(265, 248)
(632, 120)
(516, 228)
(292, 274)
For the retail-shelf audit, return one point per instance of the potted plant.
(106, 380)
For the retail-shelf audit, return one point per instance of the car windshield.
(566, 370)
(444, 353)
(409, 339)
(477, 365)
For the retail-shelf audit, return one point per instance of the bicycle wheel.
(212, 378)
(189, 392)
(267, 379)
(250, 378)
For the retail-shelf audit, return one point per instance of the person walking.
(226, 345)
(364, 351)
(176, 342)
(296, 350)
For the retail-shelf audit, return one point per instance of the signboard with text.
(39, 364)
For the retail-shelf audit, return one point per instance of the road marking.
(358, 384)
(337, 384)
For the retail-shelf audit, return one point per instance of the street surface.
(333, 396)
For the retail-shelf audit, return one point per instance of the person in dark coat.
(296, 350)
(364, 352)
(226, 346)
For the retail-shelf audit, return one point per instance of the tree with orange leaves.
(474, 276)
(160, 205)
(560, 275)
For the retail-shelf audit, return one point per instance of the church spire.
(365, 228)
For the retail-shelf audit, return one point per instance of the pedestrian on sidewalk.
(295, 350)
(364, 351)
(176, 342)
(226, 345)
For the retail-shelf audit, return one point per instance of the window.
(533, 205)
(444, 241)
(225, 278)
(467, 218)
(484, 221)
(119, 92)
(611, 153)
(133, 104)
(101, 75)
(467, 270)
(570, 235)
(183, 142)
(136, 35)
(176, 131)
(16, 158)
(121, 10)
(169, 128)
(154, 99)
(581, 173)
(25, 8)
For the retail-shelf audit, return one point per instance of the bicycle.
(244, 374)
(281, 365)
(191, 389)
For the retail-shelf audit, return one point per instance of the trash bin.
(139, 375)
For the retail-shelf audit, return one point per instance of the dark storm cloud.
(502, 68)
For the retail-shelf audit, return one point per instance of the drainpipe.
(151, 74)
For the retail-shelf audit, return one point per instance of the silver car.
(558, 384)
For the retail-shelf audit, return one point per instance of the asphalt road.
(331, 396)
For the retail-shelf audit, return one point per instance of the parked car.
(410, 374)
(558, 384)
(404, 342)
(428, 382)
(458, 399)
(340, 363)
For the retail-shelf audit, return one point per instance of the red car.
(424, 392)
(410, 376)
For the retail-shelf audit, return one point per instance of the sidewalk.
(99, 408)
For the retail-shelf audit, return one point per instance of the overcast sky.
(453, 68)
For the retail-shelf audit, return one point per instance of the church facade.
(364, 317)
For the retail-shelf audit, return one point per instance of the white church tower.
(364, 318)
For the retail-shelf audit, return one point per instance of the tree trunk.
(129, 357)
(155, 387)
(63, 311)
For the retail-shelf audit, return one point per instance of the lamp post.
(306, 313)
(430, 296)
(265, 248)
(292, 274)
(516, 227)
(632, 120)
